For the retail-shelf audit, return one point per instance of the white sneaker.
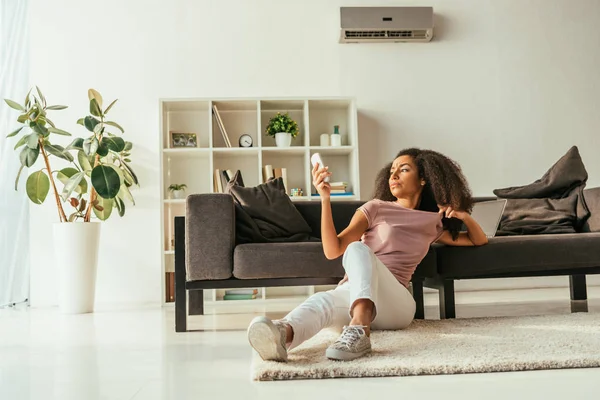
(268, 338)
(352, 343)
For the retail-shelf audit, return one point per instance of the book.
(335, 194)
(284, 177)
(239, 297)
(221, 126)
(268, 172)
(217, 181)
(241, 291)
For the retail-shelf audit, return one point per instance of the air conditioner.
(386, 24)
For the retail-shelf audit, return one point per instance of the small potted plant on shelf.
(283, 128)
(99, 170)
(177, 190)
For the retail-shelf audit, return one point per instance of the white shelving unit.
(195, 166)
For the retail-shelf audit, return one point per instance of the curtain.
(14, 205)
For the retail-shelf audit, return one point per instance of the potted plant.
(178, 190)
(283, 128)
(97, 180)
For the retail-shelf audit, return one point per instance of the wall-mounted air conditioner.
(386, 24)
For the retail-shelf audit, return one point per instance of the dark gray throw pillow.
(265, 213)
(559, 181)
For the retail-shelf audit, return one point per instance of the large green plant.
(100, 170)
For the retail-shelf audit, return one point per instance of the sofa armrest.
(209, 236)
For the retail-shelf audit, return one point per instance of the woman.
(420, 198)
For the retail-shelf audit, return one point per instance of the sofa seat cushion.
(298, 260)
(513, 255)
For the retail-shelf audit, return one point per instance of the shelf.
(273, 106)
(324, 150)
(174, 201)
(188, 152)
(299, 198)
(296, 150)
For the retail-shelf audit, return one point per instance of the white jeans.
(368, 278)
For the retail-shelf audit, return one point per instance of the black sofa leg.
(577, 284)
(196, 302)
(180, 292)
(417, 288)
(447, 303)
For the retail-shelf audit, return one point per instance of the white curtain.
(14, 205)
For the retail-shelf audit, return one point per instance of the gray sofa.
(206, 256)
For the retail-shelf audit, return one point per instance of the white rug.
(430, 347)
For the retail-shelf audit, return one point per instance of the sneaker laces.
(350, 335)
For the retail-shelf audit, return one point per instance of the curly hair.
(445, 184)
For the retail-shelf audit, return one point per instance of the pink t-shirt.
(400, 237)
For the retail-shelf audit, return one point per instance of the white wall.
(505, 89)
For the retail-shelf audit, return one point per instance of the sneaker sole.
(338, 355)
(264, 337)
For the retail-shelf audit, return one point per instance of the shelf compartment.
(342, 169)
(186, 117)
(246, 162)
(325, 114)
(239, 117)
(192, 171)
(295, 164)
(295, 109)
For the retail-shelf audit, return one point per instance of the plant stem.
(88, 212)
(61, 211)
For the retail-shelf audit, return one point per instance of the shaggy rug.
(430, 347)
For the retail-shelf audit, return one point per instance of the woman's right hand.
(319, 174)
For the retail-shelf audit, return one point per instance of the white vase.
(283, 139)
(336, 140)
(324, 142)
(178, 194)
(76, 256)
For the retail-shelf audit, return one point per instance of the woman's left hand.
(449, 212)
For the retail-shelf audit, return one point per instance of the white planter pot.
(76, 255)
(283, 139)
(178, 194)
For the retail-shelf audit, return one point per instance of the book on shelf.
(223, 177)
(273, 173)
(335, 194)
(241, 291)
(239, 297)
(221, 126)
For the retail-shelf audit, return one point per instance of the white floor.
(135, 354)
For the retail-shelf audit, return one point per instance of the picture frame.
(183, 139)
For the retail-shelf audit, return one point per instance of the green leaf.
(84, 161)
(29, 156)
(76, 144)
(71, 184)
(93, 94)
(94, 108)
(41, 96)
(15, 105)
(24, 139)
(110, 106)
(90, 123)
(112, 123)
(59, 131)
(120, 206)
(33, 141)
(90, 146)
(59, 151)
(116, 144)
(51, 123)
(18, 176)
(23, 118)
(38, 127)
(66, 173)
(130, 171)
(128, 146)
(98, 129)
(28, 99)
(106, 181)
(127, 159)
(56, 107)
(103, 148)
(106, 205)
(80, 121)
(126, 193)
(38, 186)
(15, 132)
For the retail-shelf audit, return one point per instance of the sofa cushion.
(342, 212)
(298, 260)
(520, 254)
